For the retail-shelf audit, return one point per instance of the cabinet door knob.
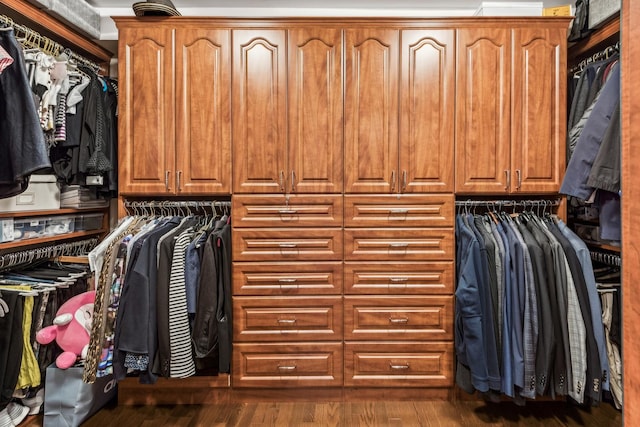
(282, 181)
(404, 181)
(166, 180)
(393, 180)
(508, 175)
(293, 180)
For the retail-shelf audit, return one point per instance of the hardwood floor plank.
(379, 413)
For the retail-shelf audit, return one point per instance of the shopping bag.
(68, 401)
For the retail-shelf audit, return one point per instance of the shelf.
(607, 34)
(604, 246)
(48, 239)
(51, 212)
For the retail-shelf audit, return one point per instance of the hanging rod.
(177, 204)
(601, 54)
(33, 39)
(132, 207)
(606, 258)
(75, 248)
(508, 203)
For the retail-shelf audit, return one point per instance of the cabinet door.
(427, 98)
(538, 109)
(203, 116)
(371, 110)
(482, 111)
(315, 110)
(259, 110)
(146, 104)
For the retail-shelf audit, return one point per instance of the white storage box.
(507, 8)
(41, 194)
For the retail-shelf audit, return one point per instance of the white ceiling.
(187, 5)
(342, 8)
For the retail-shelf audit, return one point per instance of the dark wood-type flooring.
(379, 413)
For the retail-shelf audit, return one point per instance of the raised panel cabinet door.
(483, 162)
(371, 110)
(538, 109)
(146, 104)
(315, 110)
(203, 111)
(259, 93)
(427, 103)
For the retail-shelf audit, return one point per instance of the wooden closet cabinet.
(287, 126)
(175, 85)
(510, 116)
(399, 109)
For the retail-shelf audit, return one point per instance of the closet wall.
(341, 288)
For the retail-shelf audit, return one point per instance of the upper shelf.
(606, 35)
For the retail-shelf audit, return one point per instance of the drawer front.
(289, 211)
(287, 318)
(434, 244)
(287, 278)
(404, 317)
(408, 210)
(287, 244)
(287, 365)
(399, 278)
(406, 364)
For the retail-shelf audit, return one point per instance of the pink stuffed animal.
(71, 329)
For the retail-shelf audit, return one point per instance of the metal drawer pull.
(404, 181)
(398, 320)
(288, 211)
(399, 245)
(287, 280)
(392, 366)
(166, 180)
(287, 368)
(287, 321)
(399, 211)
(287, 245)
(399, 279)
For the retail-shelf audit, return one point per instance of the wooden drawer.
(292, 244)
(287, 318)
(433, 244)
(287, 365)
(287, 278)
(398, 317)
(399, 278)
(407, 210)
(289, 211)
(400, 364)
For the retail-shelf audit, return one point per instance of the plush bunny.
(71, 329)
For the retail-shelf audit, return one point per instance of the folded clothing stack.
(76, 196)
